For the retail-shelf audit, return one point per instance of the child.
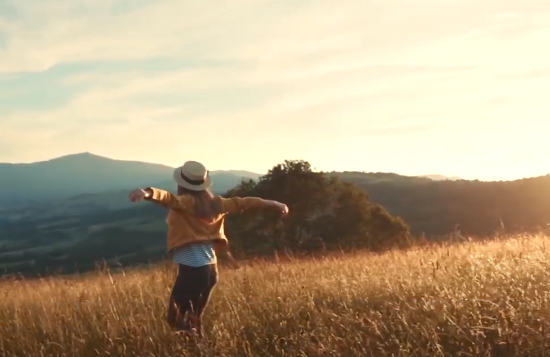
(195, 231)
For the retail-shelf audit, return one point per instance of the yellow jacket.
(184, 228)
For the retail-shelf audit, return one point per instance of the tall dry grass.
(466, 300)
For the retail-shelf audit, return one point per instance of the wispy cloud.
(142, 79)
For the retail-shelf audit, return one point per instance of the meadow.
(470, 299)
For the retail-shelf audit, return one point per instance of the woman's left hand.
(283, 209)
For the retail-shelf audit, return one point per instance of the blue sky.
(455, 87)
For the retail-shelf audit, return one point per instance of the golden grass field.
(466, 300)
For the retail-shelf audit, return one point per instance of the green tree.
(320, 206)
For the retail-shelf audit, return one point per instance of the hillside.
(475, 207)
(86, 173)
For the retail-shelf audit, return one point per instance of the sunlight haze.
(455, 87)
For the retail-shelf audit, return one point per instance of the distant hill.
(71, 189)
(86, 173)
(437, 207)
(441, 177)
(370, 178)
(390, 177)
(84, 184)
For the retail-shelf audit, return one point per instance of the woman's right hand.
(139, 194)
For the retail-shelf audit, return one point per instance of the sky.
(453, 87)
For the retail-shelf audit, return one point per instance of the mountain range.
(86, 173)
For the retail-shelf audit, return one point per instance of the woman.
(195, 229)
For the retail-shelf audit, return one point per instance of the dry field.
(467, 300)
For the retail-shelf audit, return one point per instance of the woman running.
(195, 230)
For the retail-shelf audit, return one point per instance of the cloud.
(146, 78)
(537, 74)
(59, 31)
(400, 130)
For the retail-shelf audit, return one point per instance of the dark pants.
(190, 296)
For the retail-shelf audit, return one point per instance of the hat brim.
(181, 182)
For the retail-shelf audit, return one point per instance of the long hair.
(206, 207)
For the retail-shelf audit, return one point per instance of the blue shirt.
(196, 255)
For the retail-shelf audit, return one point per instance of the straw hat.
(193, 175)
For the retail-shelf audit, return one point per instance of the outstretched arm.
(239, 204)
(162, 197)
